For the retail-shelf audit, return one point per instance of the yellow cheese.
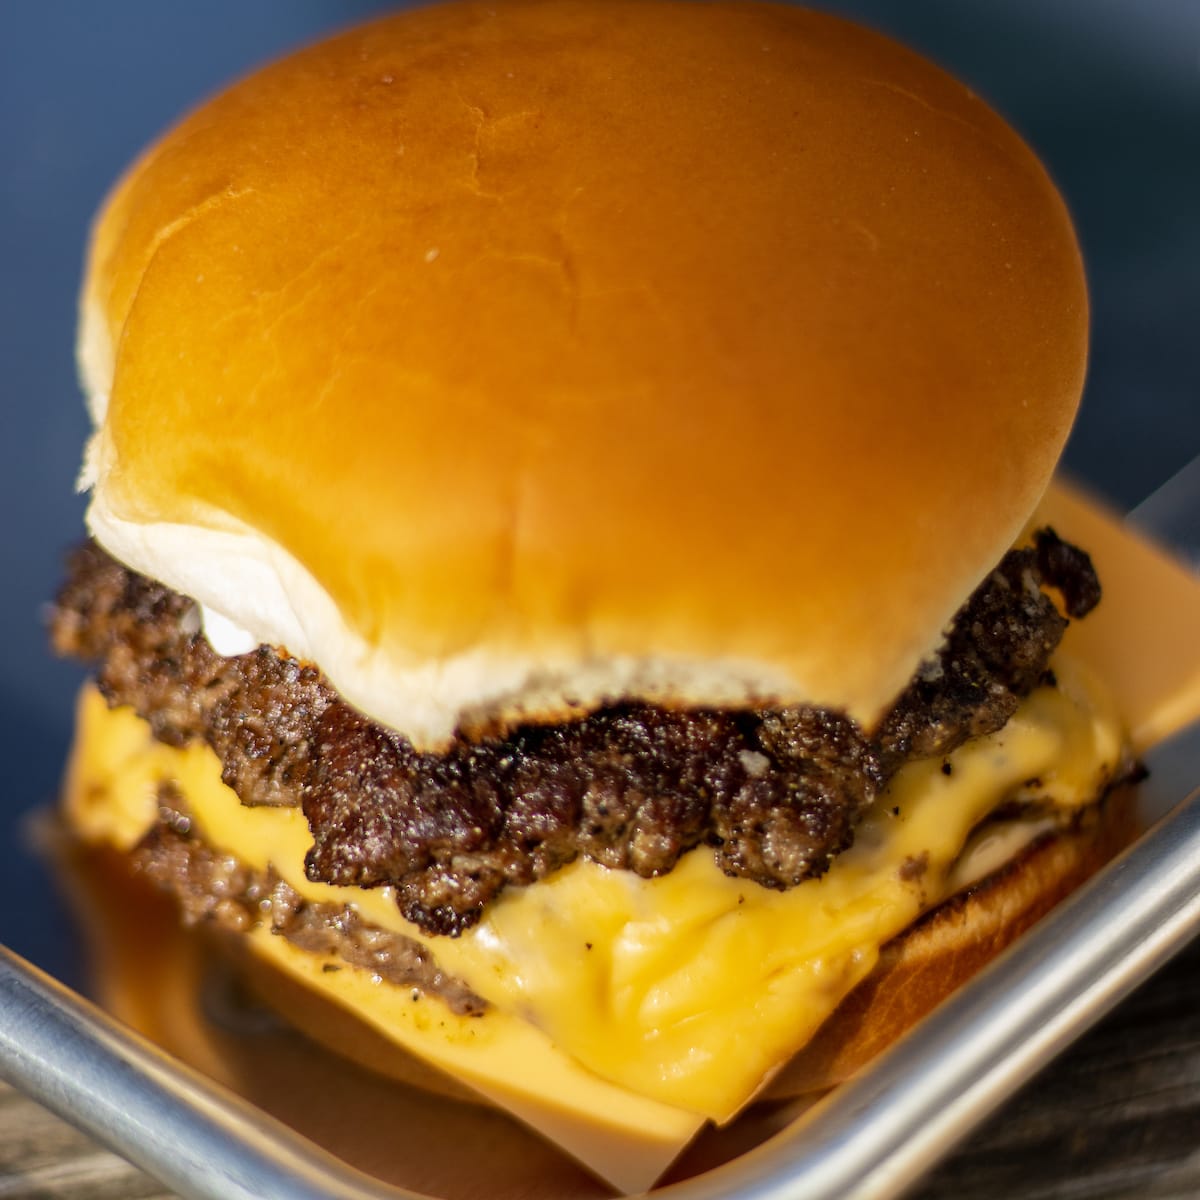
(626, 1011)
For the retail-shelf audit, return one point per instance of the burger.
(561, 581)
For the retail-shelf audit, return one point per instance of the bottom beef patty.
(776, 794)
(216, 888)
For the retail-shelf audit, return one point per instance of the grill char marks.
(776, 794)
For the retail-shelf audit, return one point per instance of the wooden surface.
(1117, 1116)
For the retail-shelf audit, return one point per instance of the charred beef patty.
(212, 887)
(776, 794)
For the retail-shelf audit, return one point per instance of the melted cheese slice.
(625, 1012)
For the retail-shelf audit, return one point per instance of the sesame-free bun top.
(514, 356)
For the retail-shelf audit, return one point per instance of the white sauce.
(226, 637)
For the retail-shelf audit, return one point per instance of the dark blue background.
(1108, 91)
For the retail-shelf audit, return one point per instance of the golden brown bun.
(552, 351)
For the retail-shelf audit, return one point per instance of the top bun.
(507, 358)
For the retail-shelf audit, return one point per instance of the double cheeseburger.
(561, 581)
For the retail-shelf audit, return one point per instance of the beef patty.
(210, 887)
(776, 794)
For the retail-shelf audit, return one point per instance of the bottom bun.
(937, 955)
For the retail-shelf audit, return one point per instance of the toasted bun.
(937, 955)
(509, 358)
